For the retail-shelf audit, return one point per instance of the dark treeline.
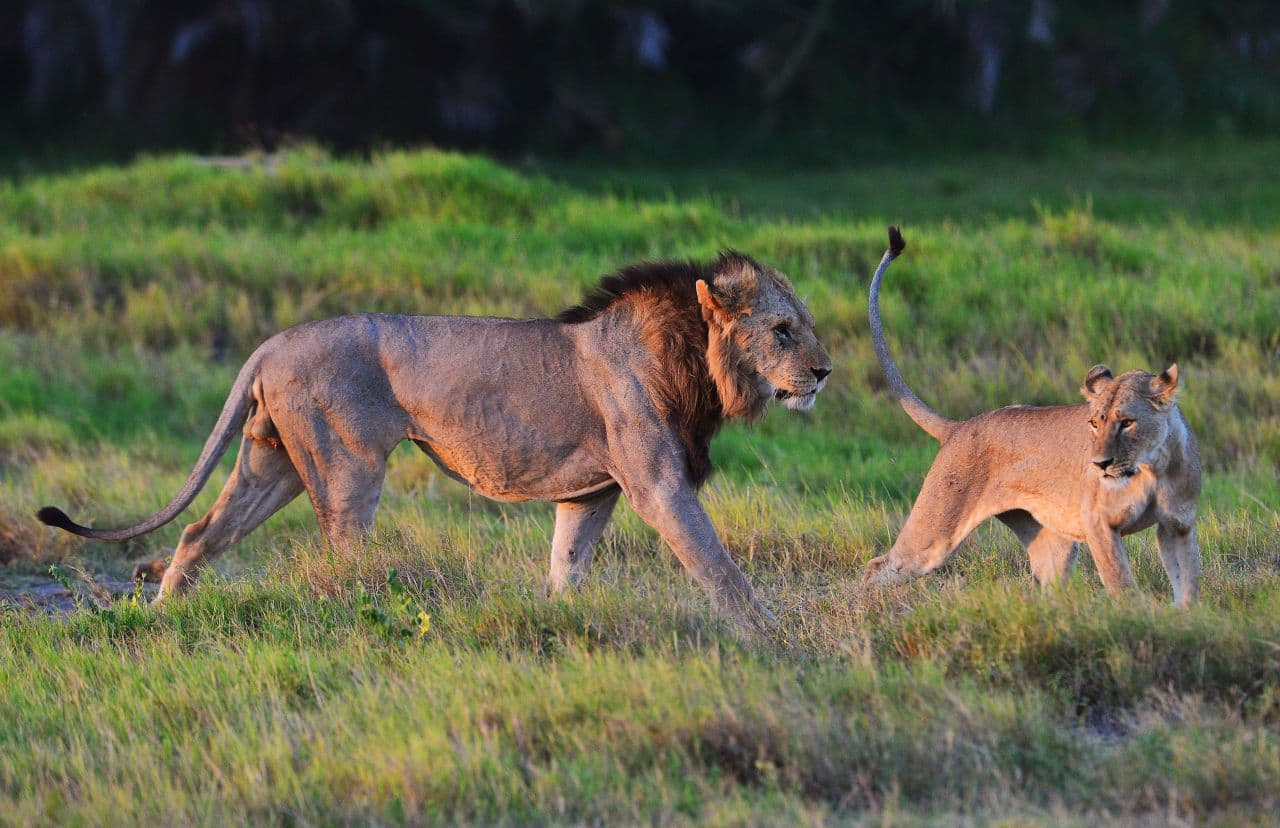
(570, 75)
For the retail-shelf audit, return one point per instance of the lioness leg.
(262, 482)
(921, 547)
(939, 522)
(1052, 555)
(578, 527)
(1110, 558)
(1181, 556)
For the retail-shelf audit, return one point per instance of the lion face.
(1130, 418)
(780, 346)
(762, 342)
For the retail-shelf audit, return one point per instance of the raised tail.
(234, 413)
(937, 426)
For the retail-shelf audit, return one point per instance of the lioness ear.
(1096, 380)
(1165, 387)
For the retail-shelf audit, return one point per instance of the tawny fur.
(1118, 463)
(619, 395)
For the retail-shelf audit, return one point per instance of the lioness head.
(1130, 417)
(761, 342)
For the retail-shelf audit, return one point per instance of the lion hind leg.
(950, 506)
(259, 426)
(578, 528)
(344, 486)
(263, 481)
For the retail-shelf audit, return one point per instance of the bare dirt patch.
(44, 594)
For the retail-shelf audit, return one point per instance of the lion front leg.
(578, 528)
(650, 465)
(682, 522)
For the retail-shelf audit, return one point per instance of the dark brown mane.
(662, 297)
(675, 280)
(665, 277)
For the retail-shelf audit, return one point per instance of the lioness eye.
(783, 333)
(1126, 423)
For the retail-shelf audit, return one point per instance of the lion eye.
(1093, 424)
(783, 333)
(1126, 423)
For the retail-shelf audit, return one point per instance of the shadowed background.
(705, 78)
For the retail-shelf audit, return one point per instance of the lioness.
(1112, 466)
(620, 394)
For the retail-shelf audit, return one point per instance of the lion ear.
(1096, 380)
(736, 283)
(1164, 388)
(712, 309)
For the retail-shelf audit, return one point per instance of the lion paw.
(151, 572)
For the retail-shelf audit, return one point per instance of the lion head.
(1130, 416)
(761, 342)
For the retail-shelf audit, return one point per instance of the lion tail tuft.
(53, 516)
(234, 413)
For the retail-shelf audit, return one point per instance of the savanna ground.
(296, 685)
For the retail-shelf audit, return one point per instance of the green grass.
(302, 685)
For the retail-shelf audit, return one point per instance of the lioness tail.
(234, 412)
(935, 424)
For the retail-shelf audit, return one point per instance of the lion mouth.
(797, 400)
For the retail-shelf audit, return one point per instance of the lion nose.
(820, 373)
(1102, 464)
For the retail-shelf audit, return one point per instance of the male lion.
(1112, 466)
(620, 394)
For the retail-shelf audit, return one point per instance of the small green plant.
(60, 574)
(396, 615)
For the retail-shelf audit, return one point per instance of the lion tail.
(234, 413)
(935, 424)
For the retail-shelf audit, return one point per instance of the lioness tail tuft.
(896, 243)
